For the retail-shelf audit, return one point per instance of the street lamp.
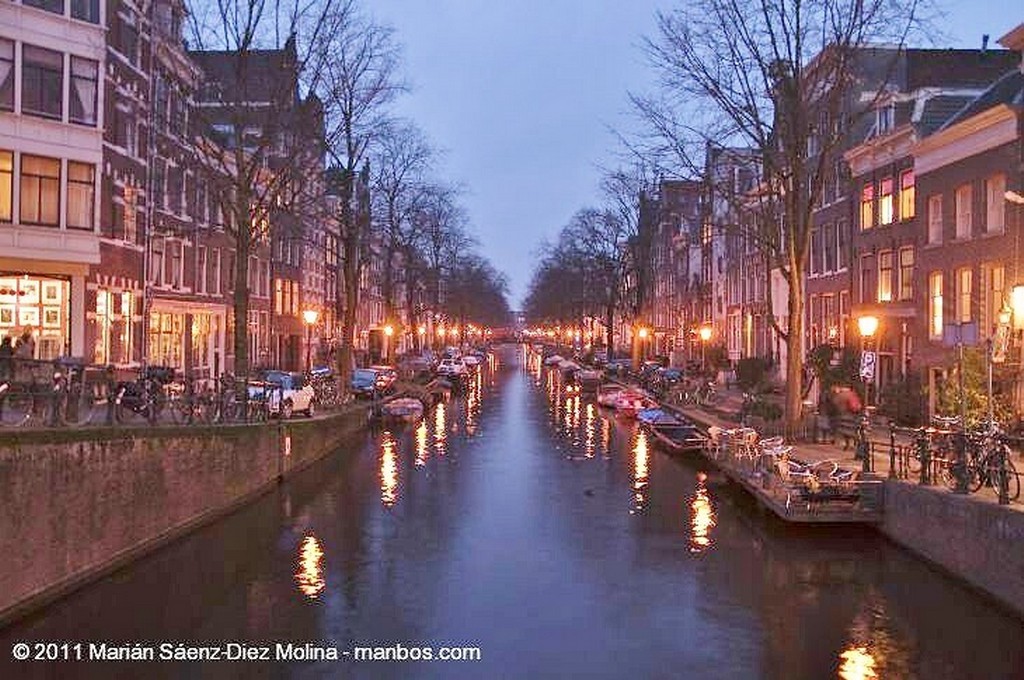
(705, 335)
(309, 316)
(388, 332)
(868, 326)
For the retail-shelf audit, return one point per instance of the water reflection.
(588, 442)
(641, 460)
(388, 469)
(310, 576)
(702, 517)
(857, 664)
(440, 429)
(422, 449)
(474, 391)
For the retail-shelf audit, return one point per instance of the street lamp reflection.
(310, 576)
(857, 664)
(440, 429)
(589, 440)
(641, 459)
(702, 517)
(422, 450)
(388, 470)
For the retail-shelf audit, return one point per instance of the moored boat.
(608, 393)
(404, 409)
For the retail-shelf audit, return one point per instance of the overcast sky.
(520, 94)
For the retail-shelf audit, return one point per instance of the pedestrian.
(24, 353)
(7, 358)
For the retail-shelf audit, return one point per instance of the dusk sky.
(520, 95)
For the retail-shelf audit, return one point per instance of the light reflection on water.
(440, 429)
(857, 664)
(641, 461)
(310, 576)
(388, 469)
(702, 517)
(422, 449)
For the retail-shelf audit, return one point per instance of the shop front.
(187, 337)
(40, 305)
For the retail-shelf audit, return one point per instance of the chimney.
(984, 43)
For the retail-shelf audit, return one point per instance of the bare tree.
(357, 86)
(248, 108)
(401, 163)
(787, 81)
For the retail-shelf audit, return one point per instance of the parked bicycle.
(145, 396)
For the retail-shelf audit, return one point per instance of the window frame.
(25, 193)
(88, 187)
(995, 203)
(40, 70)
(935, 224)
(886, 201)
(962, 199)
(884, 290)
(935, 305)
(908, 195)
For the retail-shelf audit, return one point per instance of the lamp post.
(705, 334)
(868, 326)
(309, 316)
(388, 332)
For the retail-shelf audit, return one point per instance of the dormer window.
(885, 118)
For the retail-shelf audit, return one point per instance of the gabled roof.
(1007, 90)
(937, 110)
(956, 67)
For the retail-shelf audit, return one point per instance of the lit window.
(6, 186)
(867, 206)
(40, 190)
(963, 212)
(907, 195)
(885, 203)
(935, 303)
(885, 276)
(995, 204)
(963, 294)
(906, 273)
(81, 195)
(994, 278)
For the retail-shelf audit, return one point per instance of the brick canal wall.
(76, 504)
(976, 541)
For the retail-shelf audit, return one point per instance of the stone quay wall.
(974, 540)
(76, 504)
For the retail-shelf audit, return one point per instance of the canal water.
(558, 540)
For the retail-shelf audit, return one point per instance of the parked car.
(286, 393)
(387, 376)
(363, 382)
(452, 368)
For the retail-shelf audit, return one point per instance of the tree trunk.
(240, 298)
(609, 332)
(795, 352)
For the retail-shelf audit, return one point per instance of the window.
(173, 201)
(963, 212)
(885, 203)
(815, 250)
(40, 190)
(160, 103)
(159, 195)
(907, 195)
(6, 75)
(995, 204)
(6, 186)
(42, 82)
(994, 281)
(129, 44)
(867, 206)
(885, 276)
(86, 10)
(214, 286)
(963, 294)
(935, 219)
(201, 270)
(156, 262)
(906, 273)
(278, 296)
(130, 215)
(841, 238)
(83, 90)
(113, 327)
(935, 304)
(265, 278)
(55, 6)
(828, 233)
(174, 262)
(884, 118)
(81, 195)
(867, 278)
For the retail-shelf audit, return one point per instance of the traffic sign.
(867, 365)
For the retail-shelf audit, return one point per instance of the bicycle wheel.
(15, 405)
(993, 473)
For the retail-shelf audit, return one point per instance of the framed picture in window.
(6, 315)
(51, 317)
(28, 292)
(51, 292)
(8, 290)
(28, 316)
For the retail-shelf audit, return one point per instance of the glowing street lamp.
(704, 333)
(310, 316)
